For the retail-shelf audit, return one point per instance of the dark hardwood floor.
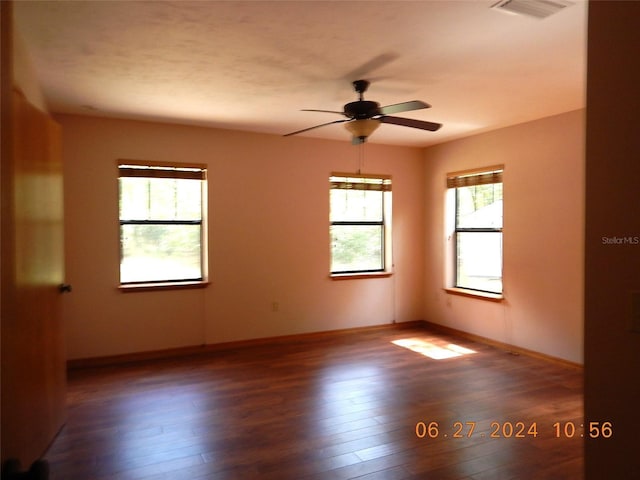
(323, 407)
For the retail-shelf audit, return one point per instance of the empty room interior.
(320, 240)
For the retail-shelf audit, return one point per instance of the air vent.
(532, 8)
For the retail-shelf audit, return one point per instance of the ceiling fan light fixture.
(362, 128)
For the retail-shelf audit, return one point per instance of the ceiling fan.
(363, 117)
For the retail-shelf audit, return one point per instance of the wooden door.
(33, 356)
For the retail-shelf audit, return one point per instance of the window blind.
(162, 172)
(380, 183)
(472, 179)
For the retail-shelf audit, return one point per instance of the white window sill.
(354, 276)
(492, 297)
(142, 287)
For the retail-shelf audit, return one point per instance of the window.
(162, 224)
(478, 230)
(360, 212)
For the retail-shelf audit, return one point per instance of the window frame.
(455, 181)
(385, 186)
(167, 170)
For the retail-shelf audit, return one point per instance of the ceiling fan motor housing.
(362, 109)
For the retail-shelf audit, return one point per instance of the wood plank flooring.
(325, 407)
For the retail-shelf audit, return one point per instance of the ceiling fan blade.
(404, 107)
(410, 122)
(375, 63)
(325, 111)
(311, 128)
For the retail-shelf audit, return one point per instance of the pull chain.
(360, 157)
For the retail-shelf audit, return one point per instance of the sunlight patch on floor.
(431, 350)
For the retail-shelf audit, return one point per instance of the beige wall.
(542, 240)
(269, 239)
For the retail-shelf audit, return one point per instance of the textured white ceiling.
(254, 65)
